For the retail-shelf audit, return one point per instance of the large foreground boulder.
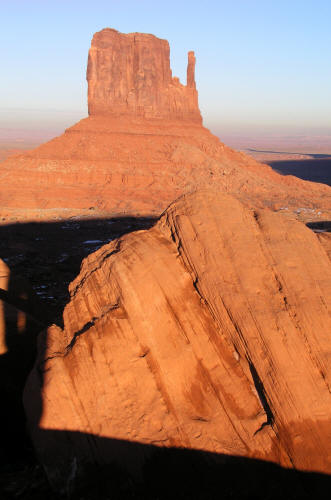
(209, 331)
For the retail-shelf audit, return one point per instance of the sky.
(263, 66)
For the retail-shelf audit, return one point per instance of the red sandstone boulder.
(209, 332)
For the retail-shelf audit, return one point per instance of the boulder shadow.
(148, 472)
(323, 226)
(112, 468)
(43, 258)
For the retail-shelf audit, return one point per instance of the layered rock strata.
(209, 331)
(130, 75)
(142, 146)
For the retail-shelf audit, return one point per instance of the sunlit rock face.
(141, 147)
(129, 74)
(209, 331)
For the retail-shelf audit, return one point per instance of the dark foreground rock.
(21, 319)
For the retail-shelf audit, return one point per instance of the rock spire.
(142, 147)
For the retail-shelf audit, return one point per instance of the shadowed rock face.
(20, 314)
(209, 331)
(21, 319)
(130, 75)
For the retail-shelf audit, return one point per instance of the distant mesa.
(130, 75)
(141, 147)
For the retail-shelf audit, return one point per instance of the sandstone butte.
(142, 145)
(209, 331)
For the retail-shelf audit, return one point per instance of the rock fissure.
(88, 325)
(259, 386)
(223, 405)
(117, 248)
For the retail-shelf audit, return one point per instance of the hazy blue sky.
(262, 65)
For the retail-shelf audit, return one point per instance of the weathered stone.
(209, 331)
(130, 75)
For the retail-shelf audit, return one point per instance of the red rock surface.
(325, 239)
(131, 75)
(209, 331)
(142, 146)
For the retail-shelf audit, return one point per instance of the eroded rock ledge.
(209, 331)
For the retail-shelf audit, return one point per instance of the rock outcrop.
(209, 331)
(130, 75)
(142, 146)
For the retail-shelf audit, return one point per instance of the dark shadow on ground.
(323, 226)
(16, 360)
(43, 259)
(317, 168)
(308, 170)
(49, 255)
(165, 473)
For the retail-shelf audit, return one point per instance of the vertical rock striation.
(191, 70)
(209, 332)
(129, 74)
